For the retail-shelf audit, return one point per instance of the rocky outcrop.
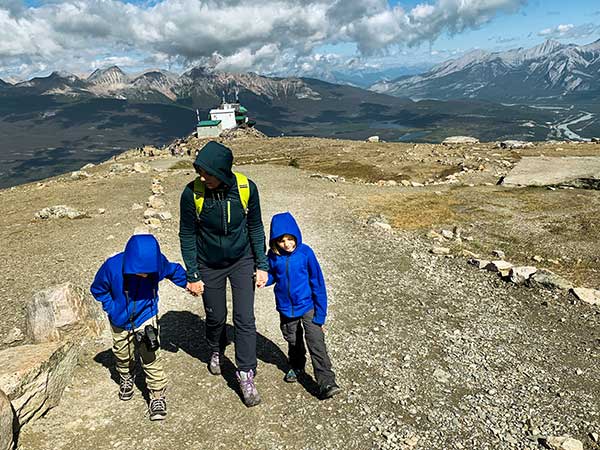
(547, 279)
(576, 171)
(35, 376)
(6, 422)
(460, 140)
(55, 312)
(59, 212)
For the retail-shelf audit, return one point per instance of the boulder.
(574, 171)
(58, 311)
(448, 234)
(150, 212)
(563, 443)
(79, 175)
(59, 212)
(120, 168)
(521, 274)
(460, 140)
(479, 263)
(35, 376)
(7, 417)
(547, 279)
(141, 167)
(501, 267)
(510, 144)
(590, 296)
(164, 215)
(373, 139)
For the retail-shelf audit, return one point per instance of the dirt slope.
(431, 353)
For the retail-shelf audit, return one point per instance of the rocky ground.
(432, 353)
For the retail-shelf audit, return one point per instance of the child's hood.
(141, 255)
(284, 223)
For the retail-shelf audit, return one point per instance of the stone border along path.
(431, 354)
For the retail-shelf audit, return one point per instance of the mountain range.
(549, 72)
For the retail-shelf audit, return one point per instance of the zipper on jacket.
(228, 211)
(287, 275)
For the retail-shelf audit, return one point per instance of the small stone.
(405, 183)
(441, 375)
(331, 195)
(521, 274)
(150, 213)
(415, 184)
(538, 258)
(501, 267)
(141, 229)
(373, 139)
(110, 237)
(153, 222)
(448, 234)
(165, 215)
(79, 175)
(434, 235)
(155, 202)
(101, 210)
(499, 254)
(563, 443)
(14, 335)
(383, 226)
(136, 206)
(440, 250)
(141, 167)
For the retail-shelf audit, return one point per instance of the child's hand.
(196, 288)
(261, 278)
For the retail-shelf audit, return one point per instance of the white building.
(226, 114)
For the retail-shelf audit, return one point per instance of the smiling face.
(210, 181)
(287, 242)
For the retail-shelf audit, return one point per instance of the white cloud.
(570, 31)
(71, 34)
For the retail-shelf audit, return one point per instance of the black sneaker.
(329, 390)
(157, 408)
(214, 365)
(292, 375)
(126, 384)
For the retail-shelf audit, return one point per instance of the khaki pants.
(124, 349)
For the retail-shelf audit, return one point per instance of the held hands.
(261, 278)
(196, 288)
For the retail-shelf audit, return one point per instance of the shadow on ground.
(183, 330)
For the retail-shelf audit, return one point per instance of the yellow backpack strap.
(198, 195)
(243, 189)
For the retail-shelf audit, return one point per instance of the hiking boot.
(157, 407)
(292, 375)
(126, 383)
(214, 365)
(249, 392)
(329, 390)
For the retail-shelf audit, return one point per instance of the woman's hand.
(261, 278)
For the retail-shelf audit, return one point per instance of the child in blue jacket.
(301, 299)
(127, 286)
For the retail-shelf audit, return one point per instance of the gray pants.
(295, 330)
(241, 277)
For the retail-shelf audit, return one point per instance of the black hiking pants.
(295, 330)
(241, 277)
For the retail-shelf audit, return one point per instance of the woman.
(222, 237)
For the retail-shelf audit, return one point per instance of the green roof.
(209, 123)
(242, 109)
(240, 117)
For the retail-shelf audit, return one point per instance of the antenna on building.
(237, 93)
(197, 115)
(223, 100)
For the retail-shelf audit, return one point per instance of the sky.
(275, 37)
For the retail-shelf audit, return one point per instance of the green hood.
(216, 160)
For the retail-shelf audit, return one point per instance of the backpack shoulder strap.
(243, 189)
(199, 189)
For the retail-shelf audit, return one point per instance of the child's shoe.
(126, 383)
(157, 407)
(329, 390)
(214, 365)
(249, 391)
(292, 375)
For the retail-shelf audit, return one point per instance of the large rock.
(59, 212)
(547, 279)
(590, 296)
(575, 171)
(500, 266)
(510, 144)
(521, 274)
(460, 140)
(563, 443)
(55, 312)
(35, 376)
(7, 417)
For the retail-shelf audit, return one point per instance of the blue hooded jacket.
(128, 298)
(299, 283)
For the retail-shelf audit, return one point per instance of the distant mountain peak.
(110, 75)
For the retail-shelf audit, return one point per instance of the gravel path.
(431, 353)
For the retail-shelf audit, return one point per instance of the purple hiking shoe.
(249, 392)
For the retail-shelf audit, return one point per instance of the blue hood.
(142, 255)
(284, 223)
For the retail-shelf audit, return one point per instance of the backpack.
(243, 189)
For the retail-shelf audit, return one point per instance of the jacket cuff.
(263, 266)
(193, 277)
(318, 320)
